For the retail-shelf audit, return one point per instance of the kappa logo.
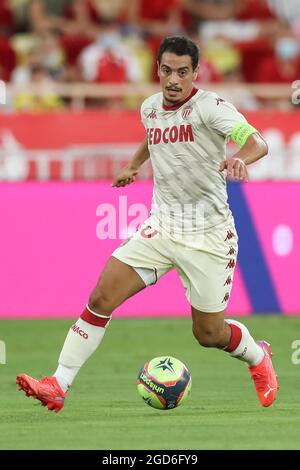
(220, 100)
(186, 112)
(229, 235)
(231, 264)
(228, 281)
(152, 114)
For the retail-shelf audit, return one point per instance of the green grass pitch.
(104, 410)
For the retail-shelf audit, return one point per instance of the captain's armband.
(241, 132)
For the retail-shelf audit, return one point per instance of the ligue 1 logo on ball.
(186, 112)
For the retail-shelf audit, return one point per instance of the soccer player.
(190, 227)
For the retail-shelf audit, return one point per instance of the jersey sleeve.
(221, 116)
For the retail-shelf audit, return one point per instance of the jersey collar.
(178, 105)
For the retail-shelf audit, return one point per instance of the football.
(164, 383)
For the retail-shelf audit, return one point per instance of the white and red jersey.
(187, 143)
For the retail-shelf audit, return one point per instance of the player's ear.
(196, 72)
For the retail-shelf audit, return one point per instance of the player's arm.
(252, 148)
(128, 174)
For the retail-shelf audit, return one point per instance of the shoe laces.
(48, 382)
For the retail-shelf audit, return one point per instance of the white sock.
(81, 342)
(242, 346)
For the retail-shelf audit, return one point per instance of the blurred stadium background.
(73, 74)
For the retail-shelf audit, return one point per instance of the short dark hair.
(179, 45)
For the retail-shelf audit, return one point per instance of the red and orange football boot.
(264, 377)
(47, 390)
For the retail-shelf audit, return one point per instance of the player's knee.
(100, 303)
(207, 337)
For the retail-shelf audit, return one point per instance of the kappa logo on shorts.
(231, 264)
(229, 235)
(231, 251)
(228, 281)
(226, 298)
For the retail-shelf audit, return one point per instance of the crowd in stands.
(116, 41)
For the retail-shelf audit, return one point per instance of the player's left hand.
(236, 169)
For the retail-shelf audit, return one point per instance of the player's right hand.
(126, 176)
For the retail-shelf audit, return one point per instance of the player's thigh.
(207, 273)
(150, 256)
(118, 281)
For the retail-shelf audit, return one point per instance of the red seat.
(253, 54)
(73, 45)
(7, 19)
(7, 59)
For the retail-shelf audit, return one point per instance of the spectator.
(154, 20)
(284, 66)
(156, 17)
(239, 93)
(77, 17)
(108, 59)
(45, 15)
(97, 11)
(208, 73)
(79, 21)
(287, 10)
(194, 11)
(46, 53)
(253, 10)
(52, 54)
(210, 9)
(45, 100)
(249, 30)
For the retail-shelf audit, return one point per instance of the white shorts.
(206, 273)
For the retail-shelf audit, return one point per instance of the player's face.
(176, 76)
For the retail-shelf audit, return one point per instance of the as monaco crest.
(186, 112)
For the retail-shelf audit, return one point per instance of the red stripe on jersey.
(178, 105)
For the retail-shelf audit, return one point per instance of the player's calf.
(210, 329)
